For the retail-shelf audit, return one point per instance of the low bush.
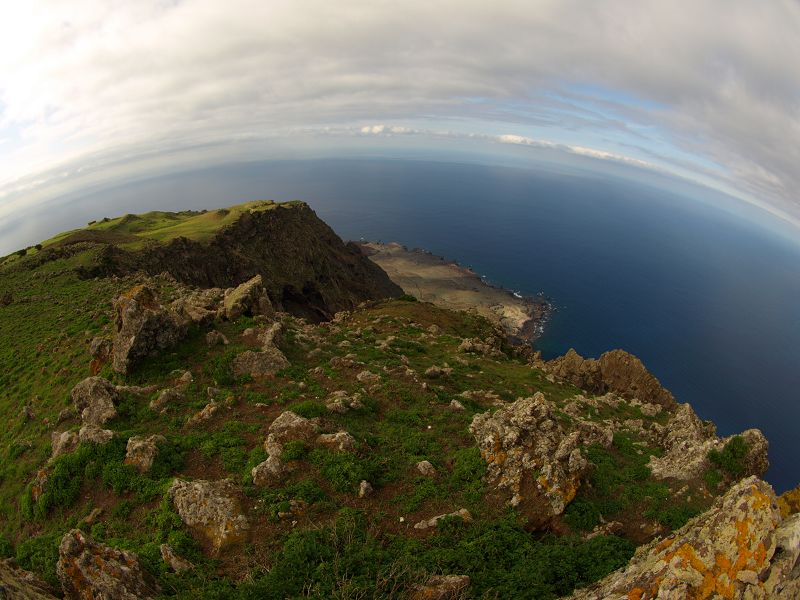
(731, 458)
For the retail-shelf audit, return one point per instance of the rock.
(100, 349)
(39, 484)
(476, 346)
(93, 516)
(259, 364)
(463, 513)
(165, 398)
(531, 457)
(65, 415)
(215, 338)
(143, 328)
(615, 371)
(249, 298)
(364, 489)
(94, 399)
(16, 583)
(341, 441)
(89, 570)
(456, 406)
(92, 434)
(204, 414)
(173, 561)
(442, 587)
(63, 442)
(200, 307)
(368, 378)
(435, 372)
(185, 378)
(287, 427)
(211, 510)
(26, 413)
(426, 468)
(739, 548)
(141, 451)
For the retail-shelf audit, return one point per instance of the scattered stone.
(426, 468)
(204, 414)
(39, 483)
(173, 561)
(456, 405)
(18, 583)
(90, 570)
(259, 364)
(315, 353)
(92, 434)
(368, 378)
(287, 427)
(435, 372)
(442, 587)
(215, 338)
(141, 451)
(167, 397)
(94, 400)
(249, 298)
(211, 509)
(341, 441)
(364, 489)
(476, 346)
(463, 513)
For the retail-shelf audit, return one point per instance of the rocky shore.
(447, 284)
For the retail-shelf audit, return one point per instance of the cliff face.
(307, 269)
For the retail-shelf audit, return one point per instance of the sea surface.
(707, 299)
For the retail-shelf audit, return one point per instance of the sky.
(100, 91)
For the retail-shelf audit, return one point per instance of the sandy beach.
(434, 279)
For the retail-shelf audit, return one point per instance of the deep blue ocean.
(708, 300)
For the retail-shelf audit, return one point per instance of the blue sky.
(98, 91)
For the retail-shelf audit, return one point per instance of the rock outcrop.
(740, 548)
(143, 328)
(615, 371)
(530, 457)
(92, 571)
(94, 399)
(211, 510)
(16, 583)
(248, 298)
(265, 363)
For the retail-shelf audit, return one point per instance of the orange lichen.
(636, 593)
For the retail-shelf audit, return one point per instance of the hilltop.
(252, 409)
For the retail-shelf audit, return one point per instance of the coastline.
(434, 279)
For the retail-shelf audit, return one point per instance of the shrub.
(6, 547)
(731, 458)
(309, 409)
(294, 450)
(344, 471)
(40, 555)
(582, 514)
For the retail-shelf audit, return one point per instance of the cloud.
(94, 83)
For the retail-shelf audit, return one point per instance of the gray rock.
(141, 451)
(63, 442)
(16, 583)
(426, 468)
(92, 434)
(94, 399)
(167, 397)
(341, 441)
(249, 298)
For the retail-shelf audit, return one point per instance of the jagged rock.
(529, 455)
(426, 468)
(463, 513)
(739, 548)
(789, 502)
(203, 414)
(259, 364)
(199, 307)
(341, 441)
(100, 349)
(287, 427)
(167, 397)
(16, 583)
(215, 338)
(442, 587)
(63, 442)
(249, 298)
(143, 328)
(92, 434)
(92, 571)
(364, 489)
(211, 509)
(141, 451)
(615, 371)
(94, 399)
(173, 561)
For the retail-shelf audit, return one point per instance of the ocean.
(707, 299)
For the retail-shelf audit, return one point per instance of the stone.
(215, 338)
(141, 451)
(249, 298)
(530, 457)
(436, 372)
(199, 307)
(211, 510)
(288, 426)
(203, 414)
(462, 513)
(16, 583)
(476, 346)
(442, 587)
(368, 378)
(143, 328)
(90, 570)
(165, 398)
(426, 468)
(94, 399)
(259, 364)
(456, 406)
(739, 548)
(341, 441)
(65, 414)
(365, 489)
(92, 434)
(173, 561)
(63, 442)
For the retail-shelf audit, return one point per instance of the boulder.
(92, 434)
(259, 364)
(341, 441)
(63, 442)
(211, 510)
(89, 570)
(368, 378)
(94, 399)
(287, 427)
(442, 587)
(435, 372)
(530, 457)
(426, 468)
(739, 548)
(204, 414)
(249, 298)
(141, 451)
(199, 306)
(17, 583)
(365, 489)
(143, 328)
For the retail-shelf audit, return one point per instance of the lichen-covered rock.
(287, 427)
(92, 434)
(63, 442)
(442, 587)
(615, 371)
(204, 414)
(530, 457)
(249, 298)
(173, 561)
(739, 548)
(94, 399)
(462, 513)
(211, 510)
(259, 364)
(476, 346)
(143, 328)
(199, 306)
(15, 583)
(167, 397)
(426, 468)
(141, 451)
(92, 571)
